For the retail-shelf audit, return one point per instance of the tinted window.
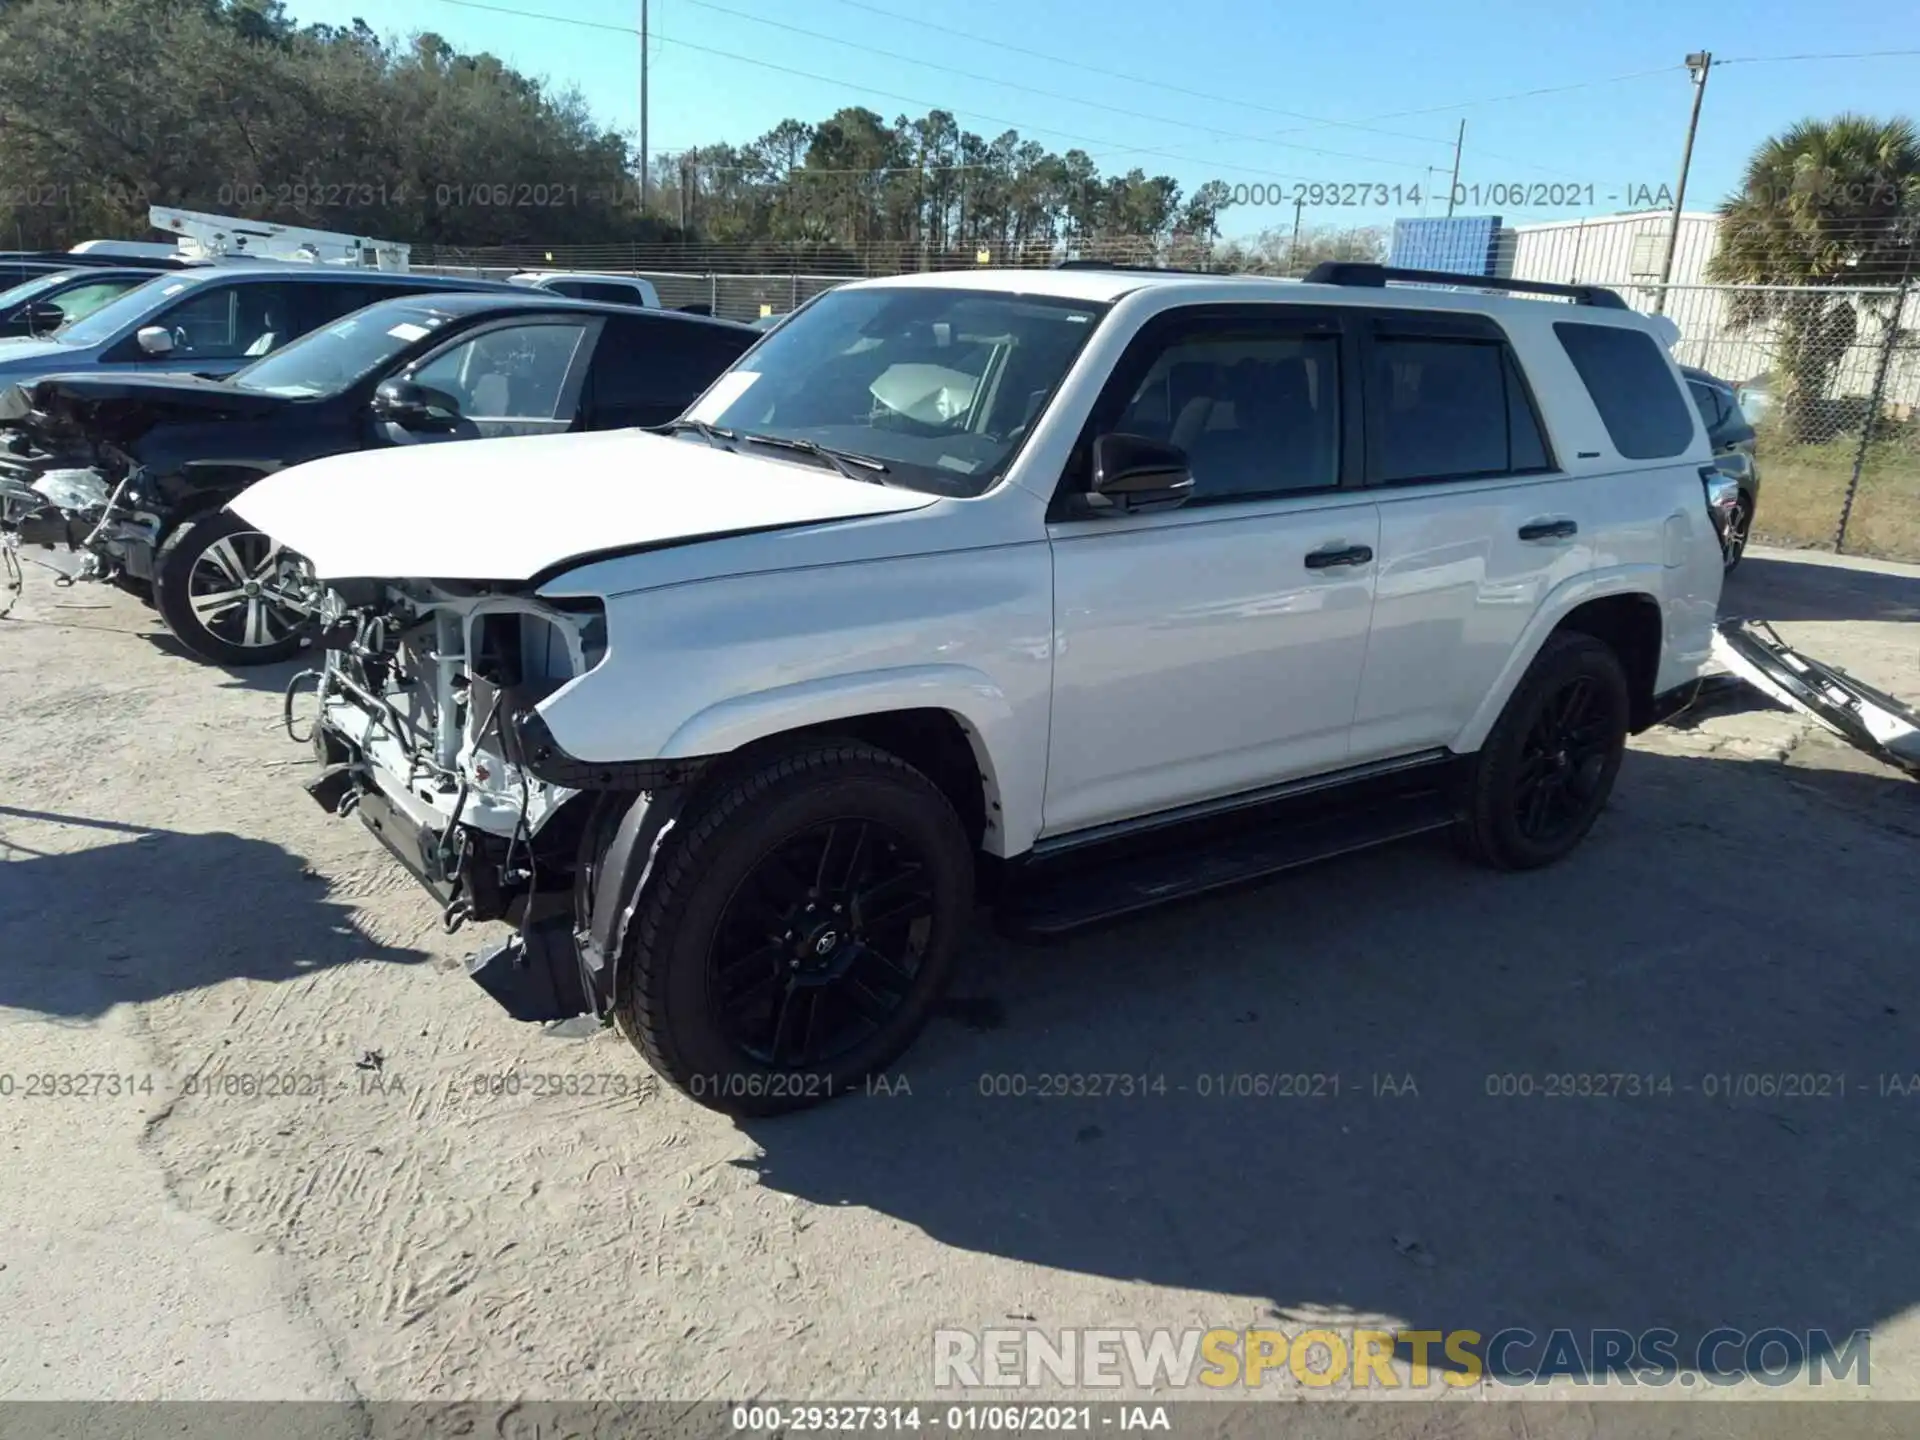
(1257, 412)
(514, 373)
(1707, 403)
(1632, 387)
(224, 322)
(1441, 412)
(660, 362)
(1526, 446)
(605, 291)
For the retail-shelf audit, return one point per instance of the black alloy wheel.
(819, 946)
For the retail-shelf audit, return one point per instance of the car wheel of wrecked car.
(798, 931)
(1733, 545)
(231, 594)
(1546, 770)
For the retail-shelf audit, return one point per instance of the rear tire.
(799, 929)
(216, 583)
(1547, 768)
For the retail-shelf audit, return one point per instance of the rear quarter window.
(1632, 385)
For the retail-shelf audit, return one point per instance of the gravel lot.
(404, 1226)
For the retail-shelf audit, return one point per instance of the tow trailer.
(1864, 717)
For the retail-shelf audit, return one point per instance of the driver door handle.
(1549, 530)
(1339, 555)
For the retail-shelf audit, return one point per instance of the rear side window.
(605, 291)
(1646, 416)
(1446, 409)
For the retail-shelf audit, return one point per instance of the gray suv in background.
(212, 319)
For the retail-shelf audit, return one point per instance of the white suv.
(1077, 590)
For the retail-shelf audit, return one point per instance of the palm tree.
(1825, 204)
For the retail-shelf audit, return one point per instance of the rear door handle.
(1341, 555)
(1549, 530)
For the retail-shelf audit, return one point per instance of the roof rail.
(1356, 272)
(1122, 265)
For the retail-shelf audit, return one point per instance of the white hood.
(511, 509)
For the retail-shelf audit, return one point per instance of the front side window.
(1631, 383)
(516, 372)
(1257, 412)
(939, 385)
(228, 322)
(1449, 409)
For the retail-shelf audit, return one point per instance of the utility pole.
(1698, 64)
(645, 159)
(1293, 246)
(1454, 184)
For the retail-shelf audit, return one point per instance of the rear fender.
(1562, 601)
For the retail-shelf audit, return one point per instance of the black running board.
(1042, 899)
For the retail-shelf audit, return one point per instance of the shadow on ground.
(84, 930)
(269, 678)
(1722, 939)
(1768, 587)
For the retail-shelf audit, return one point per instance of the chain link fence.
(1829, 376)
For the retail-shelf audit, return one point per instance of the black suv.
(1732, 439)
(146, 463)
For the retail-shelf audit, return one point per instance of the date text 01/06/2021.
(997, 1419)
(1514, 195)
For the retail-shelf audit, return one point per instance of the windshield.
(939, 385)
(110, 319)
(328, 360)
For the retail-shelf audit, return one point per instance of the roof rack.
(1361, 273)
(1121, 265)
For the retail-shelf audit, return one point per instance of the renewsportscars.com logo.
(1363, 1359)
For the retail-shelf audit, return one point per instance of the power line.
(1114, 146)
(1049, 94)
(1827, 55)
(1130, 79)
(1516, 95)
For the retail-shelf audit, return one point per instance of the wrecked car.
(1064, 589)
(138, 469)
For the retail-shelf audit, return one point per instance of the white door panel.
(1456, 588)
(1199, 655)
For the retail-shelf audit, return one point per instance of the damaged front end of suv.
(424, 719)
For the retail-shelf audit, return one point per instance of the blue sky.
(1255, 86)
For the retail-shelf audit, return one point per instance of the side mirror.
(44, 319)
(1132, 473)
(154, 339)
(415, 407)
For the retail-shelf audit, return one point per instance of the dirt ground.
(438, 1203)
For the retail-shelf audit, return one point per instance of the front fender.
(1562, 601)
(969, 695)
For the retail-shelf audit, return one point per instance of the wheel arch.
(948, 722)
(1620, 607)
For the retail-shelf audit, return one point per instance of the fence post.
(713, 293)
(793, 293)
(1872, 421)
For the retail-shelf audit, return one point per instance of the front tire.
(1547, 768)
(222, 588)
(799, 930)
